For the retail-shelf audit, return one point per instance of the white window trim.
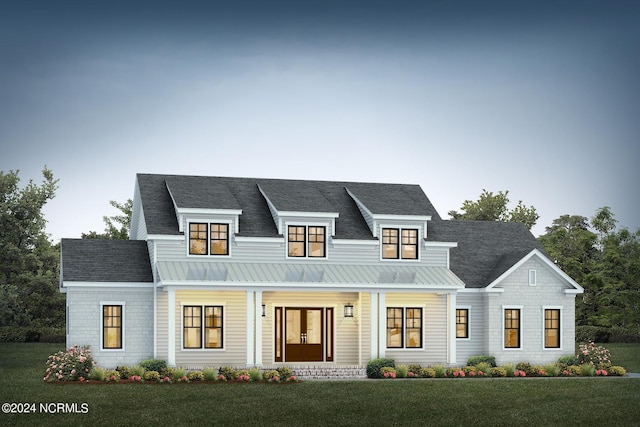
(203, 305)
(553, 307)
(404, 327)
(306, 226)
(400, 228)
(123, 329)
(533, 277)
(520, 337)
(468, 308)
(208, 256)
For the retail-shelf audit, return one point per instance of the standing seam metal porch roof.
(347, 274)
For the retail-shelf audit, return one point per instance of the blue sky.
(538, 98)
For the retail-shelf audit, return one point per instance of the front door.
(303, 329)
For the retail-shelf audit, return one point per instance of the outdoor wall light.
(348, 310)
(264, 310)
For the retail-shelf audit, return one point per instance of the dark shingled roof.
(486, 249)
(286, 195)
(96, 260)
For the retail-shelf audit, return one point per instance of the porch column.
(171, 324)
(382, 324)
(250, 327)
(374, 325)
(451, 328)
(259, 318)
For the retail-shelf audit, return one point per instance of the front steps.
(338, 372)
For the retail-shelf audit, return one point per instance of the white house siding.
(269, 251)
(345, 329)
(234, 329)
(474, 345)
(138, 229)
(434, 328)
(548, 292)
(84, 323)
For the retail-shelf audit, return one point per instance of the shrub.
(402, 371)
(498, 372)
(509, 369)
(415, 368)
(98, 374)
(625, 335)
(526, 368)
(137, 370)
(469, 369)
(71, 365)
(111, 375)
(574, 369)
(284, 372)
(388, 372)
(255, 374)
(552, 369)
(32, 334)
(485, 368)
(538, 371)
(440, 371)
(594, 355)
(167, 371)
(374, 366)
(618, 371)
(125, 372)
(589, 333)
(586, 370)
(227, 372)
(209, 374)
(475, 360)
(195, 376)
(153, 365)
(179, 374)
(271, 375)
(427, 373)
(242, 375)
(151, 376)
(567, 360)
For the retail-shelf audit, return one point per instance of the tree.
(112, 231)
(606, 263)
(28, 260)
(490, 207)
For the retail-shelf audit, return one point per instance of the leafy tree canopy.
(111, 230)
(28, 260)
(494, 207)
(606, 262)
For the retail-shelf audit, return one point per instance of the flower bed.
(592, 360)
(77, 365)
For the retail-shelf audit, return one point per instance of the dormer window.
(208, 238)
(399, 243)
(306, 241)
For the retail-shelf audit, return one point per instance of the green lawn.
(495, 402)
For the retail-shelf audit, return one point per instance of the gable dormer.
(303, 215)
(396, 218)
(208, 215)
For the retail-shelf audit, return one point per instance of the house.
(262, 272)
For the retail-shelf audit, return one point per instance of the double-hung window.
(552, 328)
(404, 327)
(208, 238)
(112, 327)
(202, 326)
(462, 323)
(512, 328)
(399, 243)
(306, 241)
